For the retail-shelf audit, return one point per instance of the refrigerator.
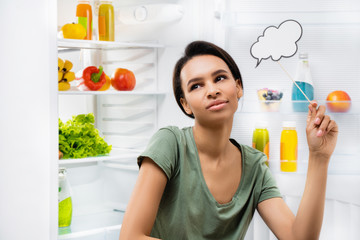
(150, 36)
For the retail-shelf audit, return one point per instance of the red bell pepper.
(94, 78)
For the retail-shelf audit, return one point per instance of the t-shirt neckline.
(203, 182)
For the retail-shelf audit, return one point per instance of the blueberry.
(275, 97)
(264, 95)
(269, 92)
(281, 95)
(268, 97)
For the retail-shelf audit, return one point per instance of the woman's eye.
(194, 86)
(219, 78)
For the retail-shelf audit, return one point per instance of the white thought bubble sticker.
(277, 42)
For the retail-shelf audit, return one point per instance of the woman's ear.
(185, 105)
(239, 89)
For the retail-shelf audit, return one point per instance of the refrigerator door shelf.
(287, 106)
(340, 164)
(338, 187)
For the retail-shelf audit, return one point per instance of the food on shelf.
(106, 86)
(60, 64)
(64, 199)
(123, 80)
(64, 74)
(303, 85)
(106, 21)
(266, 94)
(269, 99)
(338, 101)
(78, 138)
(92, 79)
(73, 31)
(84, 17)
(67, 66)
(260, 139)
(288, 147)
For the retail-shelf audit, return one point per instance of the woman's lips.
(216, 105)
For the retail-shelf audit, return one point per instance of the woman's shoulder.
(250, 154)
(175, 130)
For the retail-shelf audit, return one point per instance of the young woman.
(196, 183)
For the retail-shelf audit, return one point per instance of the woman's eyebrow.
(218, 71)
(194, 80)
(212, 74)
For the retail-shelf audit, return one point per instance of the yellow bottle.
(106, 22)
(288, 147)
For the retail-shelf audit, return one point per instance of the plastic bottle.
(84, 15)
(260, 140)
(288, 147)
(304, 80)
(65, 202)
(106, 21)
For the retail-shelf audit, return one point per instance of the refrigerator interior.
(331, 36)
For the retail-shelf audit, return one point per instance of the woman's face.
(210, 90)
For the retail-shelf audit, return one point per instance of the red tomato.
(123, 79)
(338, 101)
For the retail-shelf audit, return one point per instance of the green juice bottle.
(260, 140)
(65, 202)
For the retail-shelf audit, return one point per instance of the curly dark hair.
(198, 48)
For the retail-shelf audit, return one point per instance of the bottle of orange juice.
(288, 147)
(106, 21)
(84, 15)
(260, 140)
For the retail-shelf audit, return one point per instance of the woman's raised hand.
(321, 132)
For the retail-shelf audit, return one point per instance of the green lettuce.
(78, 138)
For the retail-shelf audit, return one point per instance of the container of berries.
(269, 99)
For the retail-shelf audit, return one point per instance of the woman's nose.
(212, 90)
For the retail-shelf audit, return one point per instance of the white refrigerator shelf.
(92, 44)
(110, 92)
(123, 158)
(93, 226)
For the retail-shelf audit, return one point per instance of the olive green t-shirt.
(187, 209)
